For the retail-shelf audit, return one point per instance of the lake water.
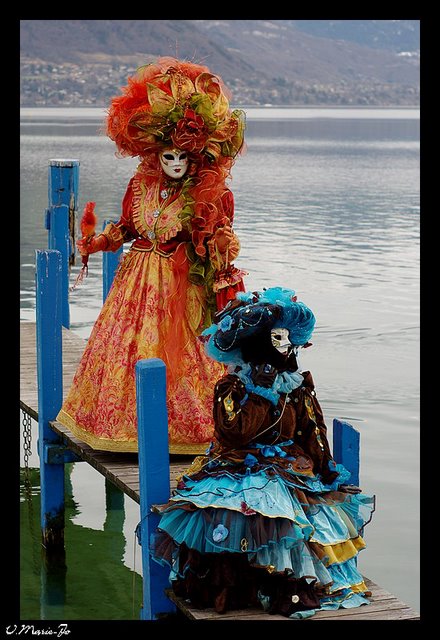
(327, 203)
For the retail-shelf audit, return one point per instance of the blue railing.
(52, 313)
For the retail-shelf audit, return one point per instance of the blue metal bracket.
(58, 454)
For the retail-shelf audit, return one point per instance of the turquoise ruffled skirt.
(296, 524)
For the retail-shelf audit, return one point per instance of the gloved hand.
(223, 235)
(263, 375)
(291, 363)
(349, 488)
(96, 243)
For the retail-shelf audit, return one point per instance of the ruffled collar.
(285, 382)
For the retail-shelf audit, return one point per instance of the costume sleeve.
(311, 432)
(238, 417)
(221, 260)
(123, 230)
(227, 204)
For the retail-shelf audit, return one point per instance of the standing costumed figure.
(178, 213)
(266, 518)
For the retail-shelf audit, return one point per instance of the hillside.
(394, 35)
(85, 62)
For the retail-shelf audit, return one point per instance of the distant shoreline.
(266, 112)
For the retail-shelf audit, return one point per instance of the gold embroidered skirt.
(137, 322)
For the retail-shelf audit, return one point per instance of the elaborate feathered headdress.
(251, 315)
(175, 103)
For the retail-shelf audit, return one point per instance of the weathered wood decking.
(383, 606)
(122, 469)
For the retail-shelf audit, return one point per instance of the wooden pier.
(49, 355)
(122, 469)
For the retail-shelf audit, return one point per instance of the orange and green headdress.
(179, 104)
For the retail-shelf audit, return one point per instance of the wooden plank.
(376, 610)
(98, 459)
(119, 468)
(73, 348)
(383, 606)
(28, 369)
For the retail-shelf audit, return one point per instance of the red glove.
(92, 245)
(224, 235)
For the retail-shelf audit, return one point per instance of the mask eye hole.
(183, 156)
(277, 337)
(168, 156)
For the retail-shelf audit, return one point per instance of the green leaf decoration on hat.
(161, 102)
(181, 86)
(203, 106)
(208, 83)
(232, 145)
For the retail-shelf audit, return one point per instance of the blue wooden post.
(60, 219)
(110, 261)
(154, 477)
(114, 521)
(53, 574)
(59, 241)
(346, 448)
(114, 507)
(50, 393)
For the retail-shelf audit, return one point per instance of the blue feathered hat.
(252, 313)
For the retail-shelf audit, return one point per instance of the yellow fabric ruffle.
(126, 446)
(339, 552)
(96, 442)
(360, 587)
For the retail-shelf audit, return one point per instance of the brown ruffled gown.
(262, 519)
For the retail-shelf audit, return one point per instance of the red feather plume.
(88, 224)
(88, 220)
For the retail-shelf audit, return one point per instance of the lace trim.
(114, 235)
(139, 192)
(143, 196)
(284, 382)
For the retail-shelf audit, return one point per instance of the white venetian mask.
(174, 162)
(280, 340)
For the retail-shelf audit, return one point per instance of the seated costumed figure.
(266, 518)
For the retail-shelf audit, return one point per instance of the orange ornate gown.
(152, 311)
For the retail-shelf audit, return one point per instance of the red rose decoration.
(191, 133)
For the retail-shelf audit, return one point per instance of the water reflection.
(88, 581)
